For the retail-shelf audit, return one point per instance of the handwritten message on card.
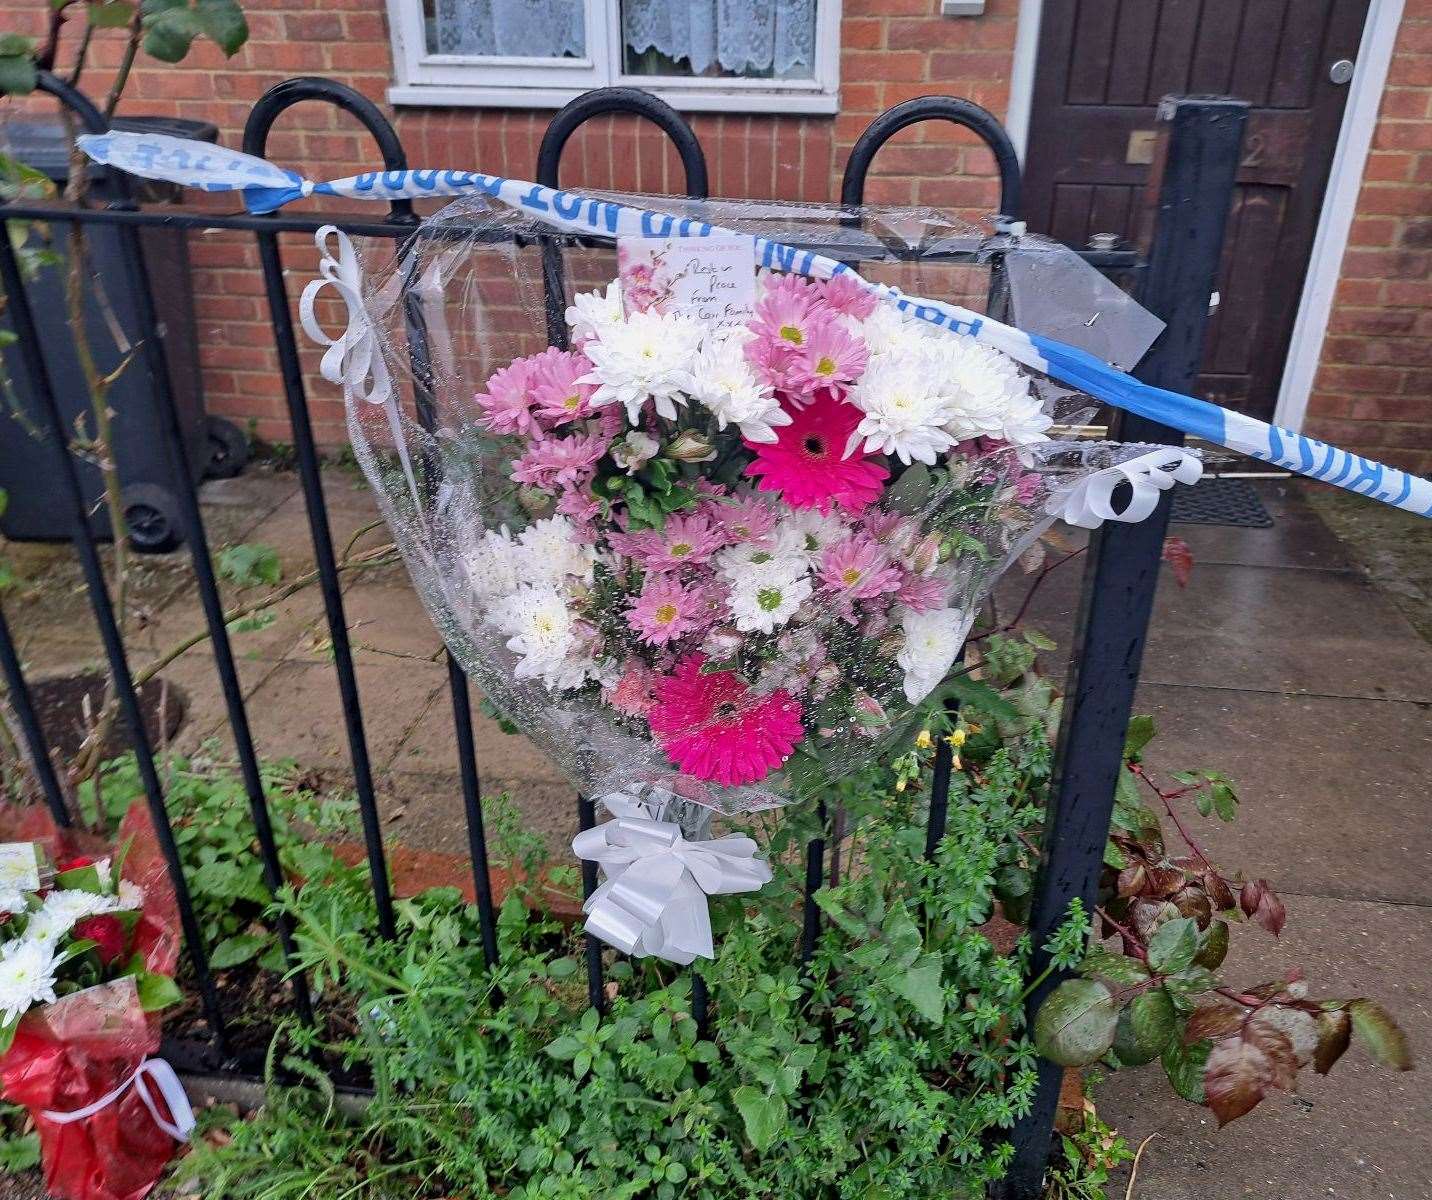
(712, 279)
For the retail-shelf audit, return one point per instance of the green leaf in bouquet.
(80, 879)
(156, 991)
(909, 493)
(7, 1034)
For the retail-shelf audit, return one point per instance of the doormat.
(1220, 502)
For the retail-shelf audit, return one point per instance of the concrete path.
(1280, 663)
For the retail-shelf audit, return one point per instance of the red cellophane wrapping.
(69, 1054)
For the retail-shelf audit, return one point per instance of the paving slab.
(425, 811)
(430, 747)
(1335, 791)
(1361, 1133)
(296, 712)
(1297, 537)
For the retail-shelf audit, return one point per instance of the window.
(716, 55)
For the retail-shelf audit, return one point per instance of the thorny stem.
(1044, 573)
(1167, 798)
(126, 64)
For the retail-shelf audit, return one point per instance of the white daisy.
(759, 560)
(27, 977)
(762, 602)
(648, 356)
(932, 643)
(592, 313)
(809, 532)
(724, 382)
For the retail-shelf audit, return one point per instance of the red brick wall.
(1373, 393)
(1373, 390)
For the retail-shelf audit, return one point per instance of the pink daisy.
(844, 295)
(664, 611)
(560, 461)
(858, 568)
(805, 463)
(635, 692)
(683, 540)
(746, 520)
(922, 593)
(832, 357)
(715, 728)
(554, 389)
(506, 405)
(581, 507)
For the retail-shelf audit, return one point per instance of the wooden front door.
(1104, 65)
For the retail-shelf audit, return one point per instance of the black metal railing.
(1202, 153)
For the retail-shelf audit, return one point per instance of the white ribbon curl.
(1088, 503)
(653, 902)
(151, 1071)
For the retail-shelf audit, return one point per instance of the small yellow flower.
(899, 785)
(922, 740)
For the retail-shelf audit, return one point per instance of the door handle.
(1341, 71)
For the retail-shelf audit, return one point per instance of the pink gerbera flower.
(832, 357)
(664, 611)
(558, 461)
(556, 393)
(681, 541)
(507, 405)
(581, 507)
(858, 568)
(805, 463)
(716, 728)
(843, 295)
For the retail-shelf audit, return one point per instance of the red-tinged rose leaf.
(1132, 880)
(1383, 1036)
(1235, 1079)
(1261, 905)
(1334, 1034)
(1213, 1021)
(1191, 902)
(1219, 892)
(1179, 558)
(1165, 880)
(1214, 947)
(1147, 915)
(1298, 1027)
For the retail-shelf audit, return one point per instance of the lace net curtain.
(754, 37)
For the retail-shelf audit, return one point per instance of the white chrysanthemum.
(13, 902)
(592, 313)
(131, 896)
(61, 910)
(541, 631)
(906, 401)
(27, 977)
(490, 560)
(648, 356)
(724, 382)
(887, 330)
(1025, 423)
(987, 389)
(932, 642)
(548, 553)
(763, 601)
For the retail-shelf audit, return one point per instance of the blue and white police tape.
(265, 187)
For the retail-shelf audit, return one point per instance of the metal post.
(1204, 139)
(35, 744)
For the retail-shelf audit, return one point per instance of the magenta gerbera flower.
(664, 611)
(805, 463)
(556, 393)
(716, 728)
(681, 541)
(858, 568)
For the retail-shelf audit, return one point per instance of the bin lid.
(42, 144)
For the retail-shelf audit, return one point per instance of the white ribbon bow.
(354, 357)
(162, 1076)
(1088, 503)
(654, 899)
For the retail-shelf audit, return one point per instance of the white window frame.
(421, 78)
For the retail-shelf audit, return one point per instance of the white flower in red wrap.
(653, 902)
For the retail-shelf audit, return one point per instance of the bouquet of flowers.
(88, 947)
(712, 535)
